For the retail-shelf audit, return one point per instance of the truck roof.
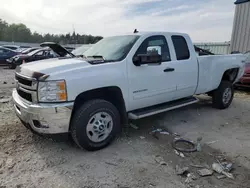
(143, 33)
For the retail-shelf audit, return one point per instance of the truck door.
(151, 84)
(185, 66)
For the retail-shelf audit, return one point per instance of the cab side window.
(181, 47)
(155, 42)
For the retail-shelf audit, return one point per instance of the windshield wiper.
(97, 57)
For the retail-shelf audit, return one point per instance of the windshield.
(80, 50)
(112, 48)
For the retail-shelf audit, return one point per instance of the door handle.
(169, 70)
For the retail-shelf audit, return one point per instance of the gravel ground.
(28, 160)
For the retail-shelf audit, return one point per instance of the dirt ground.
(28, 160)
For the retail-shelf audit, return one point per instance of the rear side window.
(181, 47)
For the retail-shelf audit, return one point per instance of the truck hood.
(50, 67)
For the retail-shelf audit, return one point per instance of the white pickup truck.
(119, 78)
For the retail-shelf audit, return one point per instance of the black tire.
(81, 118)
(218, 95)
(12, 66)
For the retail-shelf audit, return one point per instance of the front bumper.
(43, 118)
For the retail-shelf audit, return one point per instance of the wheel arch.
(113, 94)
(230, 75)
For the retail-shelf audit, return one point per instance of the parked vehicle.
(28, 50)
(23, 48)
(5, 54)
(117, 79)
(12, 47)
(245, 79)
(35, 55)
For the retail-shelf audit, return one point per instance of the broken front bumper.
(43, 118)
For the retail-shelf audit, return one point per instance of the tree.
(20, 33)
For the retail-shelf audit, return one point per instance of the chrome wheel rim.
(227, 94)
(99, 126)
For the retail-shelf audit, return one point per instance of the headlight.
(52, 91)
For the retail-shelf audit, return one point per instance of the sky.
(203, 20)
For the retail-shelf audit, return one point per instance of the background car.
(5, 54)
(28, 50)
(245, 79)
(12, 47)
(35, 55)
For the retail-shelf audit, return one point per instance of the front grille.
(24, 95)
(23, 81)
(26, 88)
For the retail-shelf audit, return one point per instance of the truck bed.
(212, 68)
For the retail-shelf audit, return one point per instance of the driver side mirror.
(153, 56)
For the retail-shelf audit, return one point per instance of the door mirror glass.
(154, 50)
(150, 58)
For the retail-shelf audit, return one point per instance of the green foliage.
(20, 33)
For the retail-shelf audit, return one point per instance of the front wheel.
(223, 95)
(95, 124)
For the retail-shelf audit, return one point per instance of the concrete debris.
(159, 160)
(227, 167)
(190, 178)
(5, 100)
(219, 169)
(133, 126)
(212, 142)
(197, 166)
(142, 137)
(179, 153)
(205, 172)
(181, 171)
(197, 186)
(221, 177)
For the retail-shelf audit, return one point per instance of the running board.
(149, 111)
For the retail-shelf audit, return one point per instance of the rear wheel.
(95, 124)
(223, 95)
